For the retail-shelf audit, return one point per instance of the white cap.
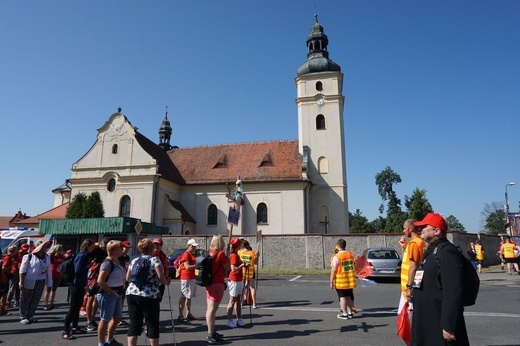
(192, 242)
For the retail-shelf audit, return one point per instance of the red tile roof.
(224, 162)
(54, 213)
(4, 221)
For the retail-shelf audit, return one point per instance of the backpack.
(140, 272)
(203, 270)
(66, 269)
(470, 281)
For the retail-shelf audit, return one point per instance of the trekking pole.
(171, 316)
(249, 302)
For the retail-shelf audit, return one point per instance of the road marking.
(295, 278)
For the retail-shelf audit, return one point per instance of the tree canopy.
(82, 206)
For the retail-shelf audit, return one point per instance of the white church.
(290, 187)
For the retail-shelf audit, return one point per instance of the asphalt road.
(297, 311)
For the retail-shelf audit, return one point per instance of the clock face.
(320, 101)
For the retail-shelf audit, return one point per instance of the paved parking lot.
(296, 311)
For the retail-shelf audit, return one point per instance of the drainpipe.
(154, 198)
(306, 205)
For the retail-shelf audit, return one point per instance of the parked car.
(175, 254)
(386, 262)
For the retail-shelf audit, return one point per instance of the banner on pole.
(233, 216)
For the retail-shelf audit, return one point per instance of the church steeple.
(318, 56)
(165, 133)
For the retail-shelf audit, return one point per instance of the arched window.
(124, 206)
(111, 186)
(323, 165)
(319, 86)
(320, 122)
(114, 149)
(212, 214)
(261, 213)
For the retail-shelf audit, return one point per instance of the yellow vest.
(405, 265)
(345, 273)
(248, 257)
(479, 252)
(509, 250)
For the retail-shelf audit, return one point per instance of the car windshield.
(4, 243)
(383, 254)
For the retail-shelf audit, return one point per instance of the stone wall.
(313, 251)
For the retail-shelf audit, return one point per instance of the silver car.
(385, 261)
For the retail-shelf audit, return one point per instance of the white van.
(18, 235)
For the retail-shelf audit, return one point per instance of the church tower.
(165, 133)
(321, 136)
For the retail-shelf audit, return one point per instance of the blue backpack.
(140, 272)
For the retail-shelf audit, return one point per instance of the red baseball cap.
(433, 219)
(125, 244)
(157, 241)
(236, 243)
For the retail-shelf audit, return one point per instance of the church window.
(124, 207)
(320, 122)
(111, 186)
(114, 149)
(323, 165)
(261, 213)
(319, 86)
(212, 214)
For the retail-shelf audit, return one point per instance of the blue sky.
(431, 88)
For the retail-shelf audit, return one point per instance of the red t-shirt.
(187, 274)
(235, 260)
(218, 261)
(164, 259)
(55, 265)
(18, 260)
(7, 262)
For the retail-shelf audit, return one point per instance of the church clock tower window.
(111, 186)
(320, 122)
(114, 149)
(124, 208)
(319, 86)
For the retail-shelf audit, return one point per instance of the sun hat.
(433, 219)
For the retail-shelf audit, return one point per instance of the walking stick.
(171, 316)
(248, 294)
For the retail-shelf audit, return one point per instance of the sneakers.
(47, 307)
(214, 339)
(113, 342)
(122, 323)
(4, 313)
(25, 321)
(33, 320)
(190, 317)
(254, 306)
(91, 327)
(82, 313)
(349, 316)
(68, 336)
(342, 316)
(240, 323)
(219, 335)
(231, 324)
(75, 331)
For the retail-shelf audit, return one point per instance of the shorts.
(480, 262)
(215, 292)
(109, 306)
(188, 289)
(92, 292)
(235, 288)
(4, 287)
(55, 284)
(347, 293)
(511, 260)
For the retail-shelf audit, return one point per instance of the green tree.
(358, 223)
(82, 206)
(494, 218)
(454, 224)
(395, 217)
(377, 225)
(76, 209)
(94, 206)
(417, 205)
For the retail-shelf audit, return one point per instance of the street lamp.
(507, 207)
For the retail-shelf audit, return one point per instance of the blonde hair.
(12, 248)
(55, 249)
(112, 245)
(217, 242)
(145, 246)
